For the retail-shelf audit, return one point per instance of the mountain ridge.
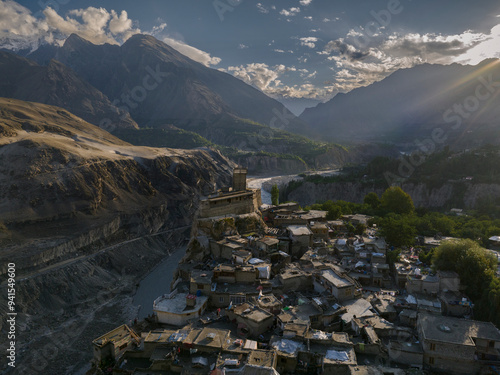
(409, 104)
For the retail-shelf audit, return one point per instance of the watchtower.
(240, 179)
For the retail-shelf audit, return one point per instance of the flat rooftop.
(335, 279)
(455, 330)
(177, 304)
(299, 230)
(252, 312)
(116, 335)
(261, 358)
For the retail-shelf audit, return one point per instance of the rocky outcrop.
(463, 195)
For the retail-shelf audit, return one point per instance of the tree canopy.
(475, 266)
(275, 195)
(372, 200)
(396, 200)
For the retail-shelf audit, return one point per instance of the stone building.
(457, 346)
(236, 200)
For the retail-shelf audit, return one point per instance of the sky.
(300, 52)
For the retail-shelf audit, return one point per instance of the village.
(269, 289)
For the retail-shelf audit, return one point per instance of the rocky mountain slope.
(462, 100)
(56, 168)
(159, 86)
(55, 84)
(84, 216)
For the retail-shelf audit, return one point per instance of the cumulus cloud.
(309, 41)
(364, 61)
(192, 52)
(97, 25)
(290, 12)
(267, 79)
(21, 30)
(305, 2)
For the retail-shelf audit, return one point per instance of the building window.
(491, 344)
(236, 300)
(221, 299)
(431, 360)
(283, 360)
(433, 347)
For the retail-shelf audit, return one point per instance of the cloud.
(305, 2)
(308, 18)
(290, 12)
(192, 52)
(279, 50)
(262, 8)
(487, 48)
(97, 25)
(242, 46)
(308, 41)
(267, 79)
(360, 61)
(21, 30)
(345, 50)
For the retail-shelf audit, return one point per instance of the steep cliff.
(448, 195)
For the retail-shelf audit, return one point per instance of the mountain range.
(463, 101)
(160, 86)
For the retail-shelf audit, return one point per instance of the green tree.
(396, 200)
(398, 230)
(475, 266)
(275, 195)
(372, 200)
(360, 229)
(334, 212)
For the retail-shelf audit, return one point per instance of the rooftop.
(212, 337)
(343, 356)
(454, 330)
(299, 230)
(252, 312)
(269, 241)
(116, 335)
(261, 358)
(337, 280)
(201, 277)
(176, 304)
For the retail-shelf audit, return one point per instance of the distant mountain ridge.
(160, 86)
(463, 100)
(55, 84)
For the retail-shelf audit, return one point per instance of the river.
(266, 183)
(157, 282)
